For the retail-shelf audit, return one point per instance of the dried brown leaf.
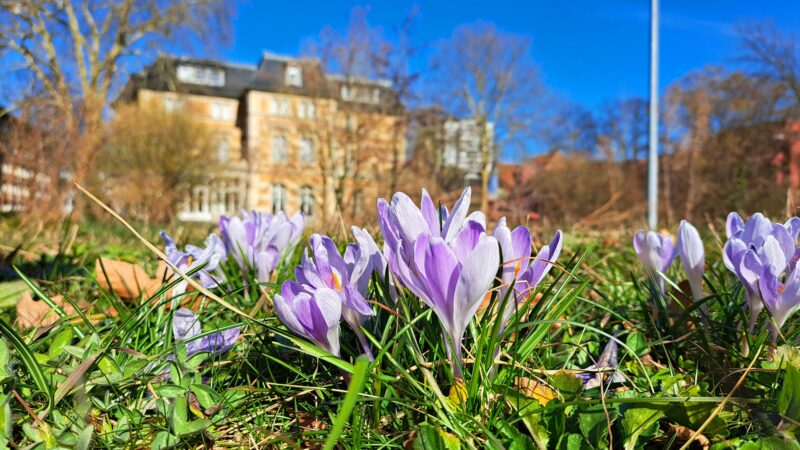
(127, 280)
(535, 389)
(36, 313)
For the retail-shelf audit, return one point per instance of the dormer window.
(207, 76)
(294, 76)
(360, 94)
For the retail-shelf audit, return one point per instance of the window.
(360, 94)
(307, 110)
(194, 74)
(279, 107)
(306, 150)
(294, 76)
(307, 201)
(278, 198)
(223, 151)
(279, 149)
(450, 154)
(221, 111)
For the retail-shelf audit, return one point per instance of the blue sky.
(588, 51)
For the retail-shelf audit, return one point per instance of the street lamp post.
(652, 160)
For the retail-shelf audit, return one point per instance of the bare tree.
(722, 128)
(170, 150)
(75, 51)
(488, 76)
(776, 56)
(368, 78)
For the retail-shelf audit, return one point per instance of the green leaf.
(522, 442)
(432, 438)
(567, 384)
(5, 368)
(640, 423)
(573, 441)
(357, 382)
(771, 443)
(179, 419)
(789, 396)
(637, 342)
(163, 440)
(106, 366)
(170, 391)
(85, 438)
(122, 430)
(195, 426)
(6, 420)
(593, 424)
(205, 395)
(62, 339)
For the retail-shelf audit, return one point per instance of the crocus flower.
(450, 266)
(656, 253)
(402, 222)
(755, 248)
(693, 258)
(363, 258)
(782, 299)
(329, 271)
(186, 326)
(315, 317)
(208, 258)
(607, 360)
(517, 269)
(257, 241)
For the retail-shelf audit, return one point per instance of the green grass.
(113, 384)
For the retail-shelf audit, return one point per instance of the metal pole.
(652, 161)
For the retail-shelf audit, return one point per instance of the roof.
(268, 76)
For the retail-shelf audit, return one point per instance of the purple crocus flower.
(693, 257)
(402, 222)
(363, 258)
(208, 258)
(186, 326)
(257, 241)
(517, 268)
(607, 360)
(329, 270)
(450, 266)
(755, 249)
(781, 299)
(656, 253)
(315, 317)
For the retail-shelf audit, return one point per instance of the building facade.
(450, 143)
(290, 136)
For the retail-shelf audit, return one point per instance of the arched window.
(278, 198)
(307, 201)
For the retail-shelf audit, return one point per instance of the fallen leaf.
(682, 434)
(535, 389)
(128, 280)
(36, 313)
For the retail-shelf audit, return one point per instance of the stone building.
(291, 136)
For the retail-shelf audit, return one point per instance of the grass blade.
(357, 383)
